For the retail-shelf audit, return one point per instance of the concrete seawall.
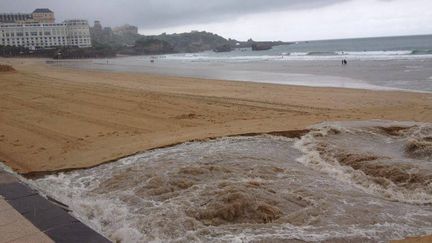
(26, 216)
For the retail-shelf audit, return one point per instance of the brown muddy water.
(348, 181)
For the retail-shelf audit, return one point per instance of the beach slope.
(55, 119)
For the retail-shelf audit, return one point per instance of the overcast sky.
(287, 20)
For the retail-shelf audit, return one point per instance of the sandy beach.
(57, 119)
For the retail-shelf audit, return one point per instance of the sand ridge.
(54, 118)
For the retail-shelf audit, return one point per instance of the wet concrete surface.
(26, 216)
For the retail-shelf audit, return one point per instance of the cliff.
(195, 41)
(152, 47)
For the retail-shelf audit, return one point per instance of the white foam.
(312, 158)
(237, 56)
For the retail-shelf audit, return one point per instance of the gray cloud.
(242, 19)
(155, 14)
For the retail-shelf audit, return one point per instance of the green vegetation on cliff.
(195, 41)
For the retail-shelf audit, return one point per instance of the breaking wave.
(421, 52)
(391, 160)
(283, 55)
(362, 53)
(322, 53)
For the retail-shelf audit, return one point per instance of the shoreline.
(57, 64)
(369, 75)
(287, 134)
(72, 116)
(372, 87)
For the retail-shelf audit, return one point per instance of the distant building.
(78, 33)
(97, 31)
(126, 29)
(15, 17)
(119, 36)
(44, 35)
(101, 34)
(43, 15)
(33, 35)
(97, 26)
(40, 15)
(39, 30)
(108, 31)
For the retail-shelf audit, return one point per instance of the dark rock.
(153, 47)
(223, 48)
(261, 47)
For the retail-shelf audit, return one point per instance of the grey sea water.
(341, 182)
(373, 63)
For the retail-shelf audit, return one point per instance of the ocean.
(369, 48)
(388, 63)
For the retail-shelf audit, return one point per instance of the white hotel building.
(40, 35)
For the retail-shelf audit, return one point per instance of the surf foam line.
(318, 155)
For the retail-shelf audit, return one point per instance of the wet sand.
(400, 73)
(424, 239)
(57, 119)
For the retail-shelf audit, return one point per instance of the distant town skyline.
(287, 20)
